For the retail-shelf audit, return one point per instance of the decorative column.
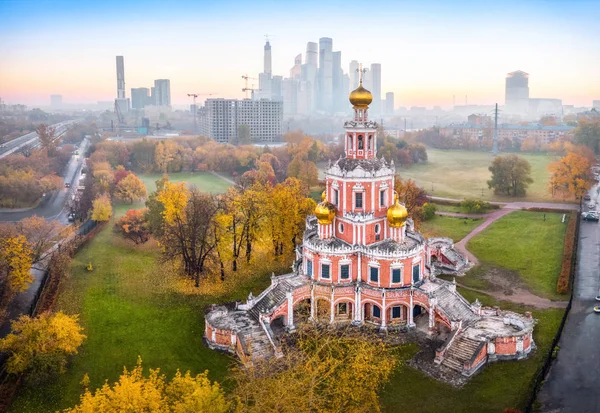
(383, 313)
(491, 347)
(432, 303)
(332, 311)
(290, 310)
(411, 322)
(357, 306)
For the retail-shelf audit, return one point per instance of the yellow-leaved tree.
(38, 347)
(131, 188)
(136, 393)
(15, 266)
(324, 371)
(101, 209)
(173, 197)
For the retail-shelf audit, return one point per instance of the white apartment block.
(219, 119)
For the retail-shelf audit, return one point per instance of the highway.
(55, 206)
(32, 138)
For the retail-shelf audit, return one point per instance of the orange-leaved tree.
(571, 175)
(134, 226)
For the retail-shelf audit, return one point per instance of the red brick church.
(362, 262)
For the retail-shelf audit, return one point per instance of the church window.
(342, 308)
(358, 200)
(350, 142)
(370, 147)
(325, 271)
(376, 312)
(341, 228)
(374, 274)
(309, 268)
(396, 275)
(335, 197)
(397, 312)
(360, 143)
(345, 272)
(416, 272)
(382, 198)
(377, 228)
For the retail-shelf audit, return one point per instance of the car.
(597, 309)
(598, 298)
(587, 198)
(590, 216)
(591, 205)
(67, 184)
(71, 217)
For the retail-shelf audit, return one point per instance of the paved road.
(573, 384)
(54, 207)
(32, 138)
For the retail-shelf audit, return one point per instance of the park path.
(520, 296)
(461, 215)
(223, 177)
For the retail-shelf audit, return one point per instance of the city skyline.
(429, 52)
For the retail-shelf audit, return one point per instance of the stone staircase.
(461, 351)
(454, 305)
(274, 297)
(256, 342)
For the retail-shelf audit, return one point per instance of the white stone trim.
(396, 266)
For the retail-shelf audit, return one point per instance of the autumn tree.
(164, 154)
(412, 196)
(41, 235)
(38, 347)
(188, 227)
(588, 134)
(119, 174)
(101, 210)
(131, 188)
(303, 169)
(250, 204)
(153, 393)
(511, 175)
(134, 226)
(323, 371)
(571, 174)
(15, 266)
(47, 136)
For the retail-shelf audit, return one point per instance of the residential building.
(139, 97)
(545, 134)
(389, 103)
(517, 92)
(162, 91)
(220, 119)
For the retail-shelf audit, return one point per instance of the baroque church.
(362, 262)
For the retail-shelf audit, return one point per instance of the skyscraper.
(120, 78)
(353, 74)
(309, 74)
(376, 88)
(267, 65)
(139, 97)
(326, 74)
(338, 82)
(517, 92)
(162, 92)
(296, 70)
(389, 103)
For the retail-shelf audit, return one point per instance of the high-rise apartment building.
(120, 78)
(56, 101)
(376, 88)
(162, 92)
(326, 74)
(267, 59)
(517, 92)
(139, 97)
(389, 103)
(220, 119)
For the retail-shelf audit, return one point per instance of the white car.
(591, 205)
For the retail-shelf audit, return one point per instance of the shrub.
(475, 205)
(562, 286)
(429, 210)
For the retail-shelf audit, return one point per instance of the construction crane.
(120, 119)
(246, 88)
(194, 96)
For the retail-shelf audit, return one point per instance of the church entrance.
(302, 311)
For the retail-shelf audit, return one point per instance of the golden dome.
(397, 213)
(360, 97)
(325, 212)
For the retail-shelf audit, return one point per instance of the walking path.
(520, 296)
(223, 177)
(461, 215)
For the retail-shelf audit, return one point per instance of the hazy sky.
(429, 50)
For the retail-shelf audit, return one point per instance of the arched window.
(360, 143)
(370, 147)
(350, 142)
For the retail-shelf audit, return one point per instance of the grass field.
(129, 308)
(205, 181)
(451, 227)
(526, 243)
(463, 174)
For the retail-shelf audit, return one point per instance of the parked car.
(67, 184)
(591, 205)
(590, 216)
(71, 217)
(587, 198)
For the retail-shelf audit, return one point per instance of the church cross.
(360, 71)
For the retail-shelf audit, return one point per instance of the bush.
(475, 205)
(562, 286)
(429, 210)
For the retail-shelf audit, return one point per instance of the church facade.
(362, 262)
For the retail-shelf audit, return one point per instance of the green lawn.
(526, 243)
(205, 181)
(498, 386)
(451, 227)
(458, 209)
(129, 308)
(462, 174)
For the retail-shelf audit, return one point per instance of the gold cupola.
(325, 211)
(360, 97)
(397, 213)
